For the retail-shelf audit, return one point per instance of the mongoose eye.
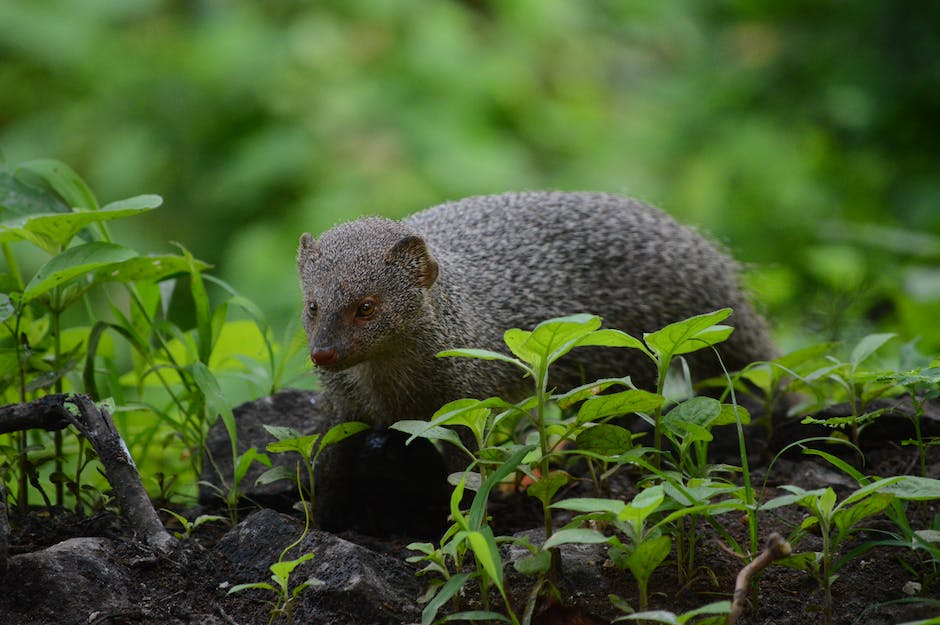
(365, 309)
(312, 309)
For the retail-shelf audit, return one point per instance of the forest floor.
(886, 585)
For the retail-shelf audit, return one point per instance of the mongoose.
(383, 297)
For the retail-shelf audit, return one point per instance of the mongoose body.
(383, 297)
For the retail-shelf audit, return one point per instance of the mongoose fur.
(383, 297)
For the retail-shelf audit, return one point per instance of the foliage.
(99, 317)
(257, 121)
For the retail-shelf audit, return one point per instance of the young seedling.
(190, 526)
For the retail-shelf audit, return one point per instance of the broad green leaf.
(151, 268)
(76, 261)
(648, 555)
(52, 231)
(867, 346)
(657, 616)
(915, 488)
(698, 411)
(281, 570)
(422, 429)
(581, 536)
(727, 415)
(342, 431)
(18, 199)
(282, 432)
(644, 504)
(302, 445)
(547, 485)
(275, 474)
(689, 335)
(516, 339)
(847, 518)
(605, 439)
(554, 338)
(63, 179)
(622, 403)
(609, 337)
(585, 391)
(591, 504)
(535, 564)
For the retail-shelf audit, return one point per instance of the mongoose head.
(366, 291)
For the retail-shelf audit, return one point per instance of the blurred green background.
(803, 135)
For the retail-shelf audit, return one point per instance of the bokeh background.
(804, 135)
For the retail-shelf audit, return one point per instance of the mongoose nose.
(324, 357)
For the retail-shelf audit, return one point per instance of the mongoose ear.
(307, 248)
(412, 253)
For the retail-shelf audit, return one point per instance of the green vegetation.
(802, 135)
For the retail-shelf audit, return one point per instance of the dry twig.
(776, 548)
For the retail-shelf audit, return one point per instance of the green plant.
(290, 440)
(190, 526)
(859, 387)
(281, 571)
(711, 614)
(835, 522)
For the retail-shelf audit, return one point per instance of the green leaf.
(53, 231)
(478, 507)
(487, 554)
(18, 199)
(536, 564)
(615, 404)
(6, 307)
(581, 536)
(258, 585)
(275, 474)
(281, 570)
(476, 615)
(480, 354)
(446, 592)
(75, 262)
(342, 431)
(422, 429)
(730, 414)
(689, 335)
(867, 346)
(915, 488)
(302, 445)
(648, 555)
(282, 432)
(554, 338)
(591, 504)
(547, 485)
(605, 439)
(644, 504)
(586, 391)
(847, 518)
(609, 337)
(64, 181)
(699, 412)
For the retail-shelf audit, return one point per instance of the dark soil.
(873, 587)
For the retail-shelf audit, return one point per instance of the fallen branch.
(776, 548)
(53, 412)
(46, 413)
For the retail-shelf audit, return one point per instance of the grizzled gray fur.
(383, 297)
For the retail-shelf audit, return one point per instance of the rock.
(69, 582)
(358, 585)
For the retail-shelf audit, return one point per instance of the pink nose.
(324, 357)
